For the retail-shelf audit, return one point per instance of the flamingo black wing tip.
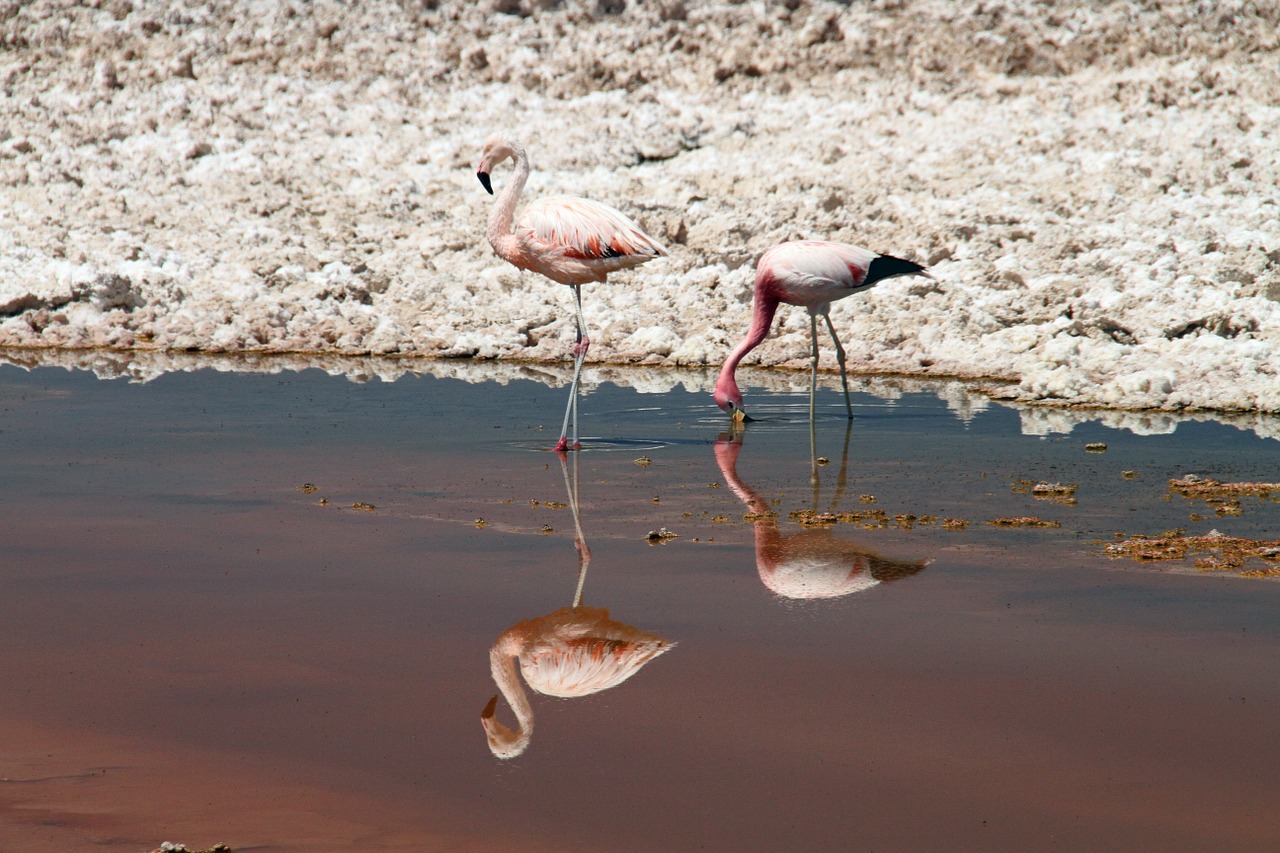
(887, 266)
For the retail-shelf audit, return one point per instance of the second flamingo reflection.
(569, 240)
(811, 274)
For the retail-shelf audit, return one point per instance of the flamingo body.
(814, 274)
(576, 240)
(811, 274)
(569, 240)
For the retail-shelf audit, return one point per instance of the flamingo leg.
(840, 359)
(580, 346)
(813, 369)
(813, 454)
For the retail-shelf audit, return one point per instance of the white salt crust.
(1095, 187)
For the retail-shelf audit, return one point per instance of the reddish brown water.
(193, 649)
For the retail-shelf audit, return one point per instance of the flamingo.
(811, 274)
(569, 240)
(573, 651)
(811, 564)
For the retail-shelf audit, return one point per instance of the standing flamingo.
(811, 274)
(569, 240)
(573, 651)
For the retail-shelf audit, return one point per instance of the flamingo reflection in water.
(574, 651)
(811, 564)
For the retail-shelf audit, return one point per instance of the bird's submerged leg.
(580, 346)
(840, 359)
(580, 539)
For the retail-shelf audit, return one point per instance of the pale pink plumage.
(576, 240)
(811, 274)
(569, 240)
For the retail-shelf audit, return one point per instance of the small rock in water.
(660, 535)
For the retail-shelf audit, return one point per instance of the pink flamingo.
(811, 274)
(574, 651)
(569, 240)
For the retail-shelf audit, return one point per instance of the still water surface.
(194, 648)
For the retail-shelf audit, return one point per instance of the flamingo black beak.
(740, 416)
(484, 182)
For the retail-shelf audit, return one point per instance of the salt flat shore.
(1095, 186)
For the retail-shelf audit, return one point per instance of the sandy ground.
(1095, 185)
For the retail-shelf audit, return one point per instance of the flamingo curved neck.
(503, 664)
(764, 307)
(504, 211)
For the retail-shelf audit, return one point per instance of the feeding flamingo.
(569, 240)
(811, 274)
(574, 651)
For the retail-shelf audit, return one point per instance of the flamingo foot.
(563, 444)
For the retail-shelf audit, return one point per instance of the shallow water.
(194, 648)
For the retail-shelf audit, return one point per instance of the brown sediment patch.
(870, 519)
(1023, 521)
(1221, 553)
(1192, 486)
(1044, 489)
(810, 518)
(1269, 572)
(1223, 497)
(1063, 493)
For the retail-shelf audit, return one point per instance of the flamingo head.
(729, 399)
(504, 742)
(497, 148)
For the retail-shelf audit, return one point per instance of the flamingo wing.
(820, 264)
(584, 230)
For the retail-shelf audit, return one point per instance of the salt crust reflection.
(965, 399)
(815, 563)
(574, 651)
